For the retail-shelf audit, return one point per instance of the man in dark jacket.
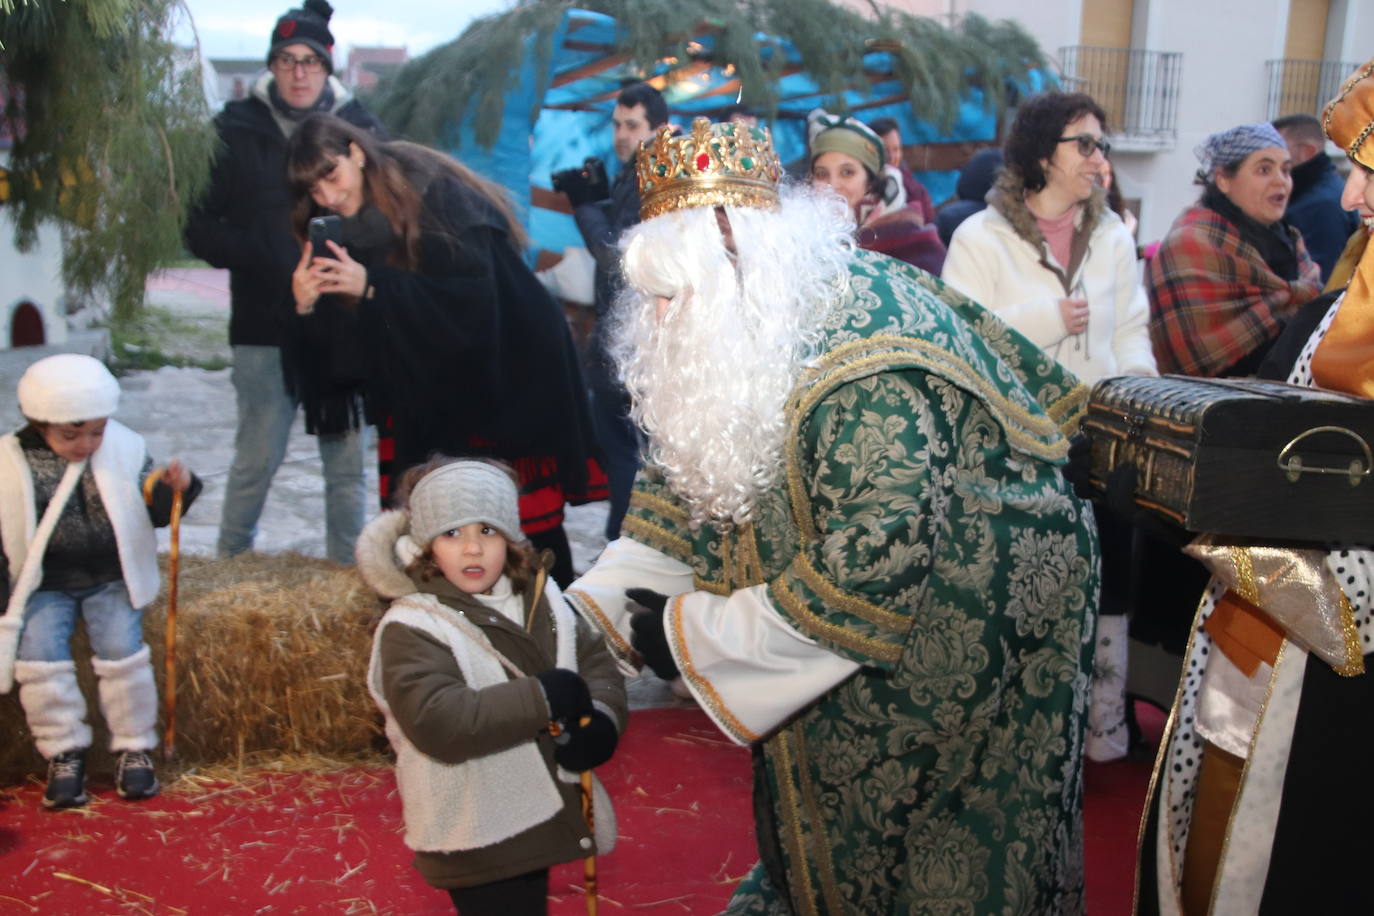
(1315, 207)
(243, 224)
(639, 111)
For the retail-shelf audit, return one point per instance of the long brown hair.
(321, 138)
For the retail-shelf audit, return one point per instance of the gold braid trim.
(831, 594)
(790, 825)
(1354, 655)
(658, 505)
(811, 624)
(821, 855)
(656, 536)
(1245, 575)
(887, 351)
(703, 687)
(590, 608)
(706, 585)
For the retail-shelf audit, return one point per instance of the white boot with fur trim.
(128, 700)
(1108, 734)
(56, 714)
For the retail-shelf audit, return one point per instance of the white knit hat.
(68, 388)
(461, 493)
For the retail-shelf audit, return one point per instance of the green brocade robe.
(924, 531)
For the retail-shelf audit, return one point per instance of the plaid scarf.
(1215, 303)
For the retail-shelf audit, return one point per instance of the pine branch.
(937, 66)
(81, 154)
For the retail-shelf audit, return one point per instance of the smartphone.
(325, 229)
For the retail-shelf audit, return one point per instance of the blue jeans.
(114, 625)
(265, 414)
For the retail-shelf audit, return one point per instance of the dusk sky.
(240, 28)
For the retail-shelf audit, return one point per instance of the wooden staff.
(589, 863)
(169, 690)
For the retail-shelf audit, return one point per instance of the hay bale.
(271, 657)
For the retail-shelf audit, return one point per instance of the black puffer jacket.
(243, 223)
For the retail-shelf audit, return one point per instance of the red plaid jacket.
(1213, 300)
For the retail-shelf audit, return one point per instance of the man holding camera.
(602, 214)
(243, 224)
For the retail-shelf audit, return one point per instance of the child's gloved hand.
(647, 634)
(566, 693)
(582, 747)
(176, 475)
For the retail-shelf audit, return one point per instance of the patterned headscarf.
(1229, 147)
(1344, 360)
(828, 133)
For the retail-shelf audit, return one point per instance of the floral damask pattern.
(923, 530)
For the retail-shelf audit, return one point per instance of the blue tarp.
(574, 114)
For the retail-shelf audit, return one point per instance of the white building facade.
(1170, 72)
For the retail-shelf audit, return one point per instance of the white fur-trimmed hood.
(376, 556)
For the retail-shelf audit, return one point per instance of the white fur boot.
(128, 700)
(53, 706)
(1108, 735)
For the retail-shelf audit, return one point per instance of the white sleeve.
(599, 595)
(744, 664)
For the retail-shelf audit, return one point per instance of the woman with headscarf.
(1257, 805)
(847, 157)
(1231, 271)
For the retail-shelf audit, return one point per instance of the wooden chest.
(1240, 457)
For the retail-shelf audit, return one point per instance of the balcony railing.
(1303, 86)
(1138, 90)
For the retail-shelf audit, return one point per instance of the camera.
(583, 184)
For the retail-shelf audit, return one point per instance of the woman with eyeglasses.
(1051, 259)
(1231, 271)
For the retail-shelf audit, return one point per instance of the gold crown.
(716, 165)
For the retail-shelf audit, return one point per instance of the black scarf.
(324, 103)
(1275, 242)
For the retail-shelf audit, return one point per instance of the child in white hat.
(478, 654)
(78, 541)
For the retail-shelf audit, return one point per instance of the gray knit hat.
(68, 388)
(461, 493)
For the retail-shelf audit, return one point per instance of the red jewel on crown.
(703, 161)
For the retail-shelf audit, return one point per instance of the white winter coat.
(999, 267)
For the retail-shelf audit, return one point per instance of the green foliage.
(936, 65)
(112, 136)
(158, 337)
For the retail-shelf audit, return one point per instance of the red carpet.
(330, 843)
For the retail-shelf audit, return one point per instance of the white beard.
(709, 382)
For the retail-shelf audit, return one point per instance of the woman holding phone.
(426, 300)
(1054, 262)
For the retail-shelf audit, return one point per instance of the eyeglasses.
(311, 63)
(1087, 143)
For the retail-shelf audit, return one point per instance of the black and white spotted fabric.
(1354, 570)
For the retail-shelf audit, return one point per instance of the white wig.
(709, 380)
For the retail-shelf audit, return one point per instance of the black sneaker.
(66, 780)
(134, 776)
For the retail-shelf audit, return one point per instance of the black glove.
(581, 747)
(1120, 499)
(1079, 469)
(566, 693)
(647, 634)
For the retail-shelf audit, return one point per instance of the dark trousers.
(619, 441)
(523, 895)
